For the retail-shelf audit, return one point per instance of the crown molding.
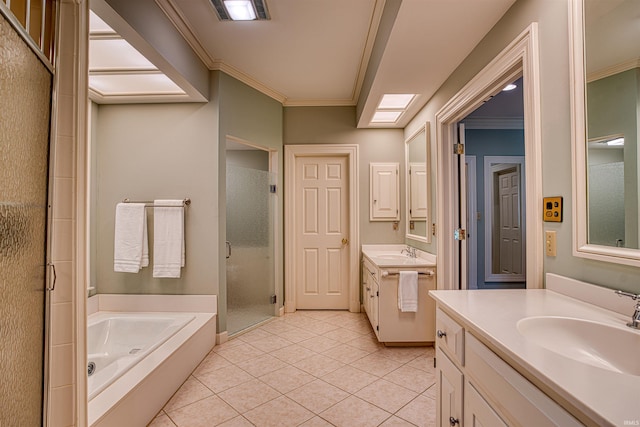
(137, 98)
(179, 21)
(612, 70)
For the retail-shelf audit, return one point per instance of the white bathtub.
(117, 341)
(140, 360)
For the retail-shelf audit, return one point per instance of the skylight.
(397, 101)
(386, 116)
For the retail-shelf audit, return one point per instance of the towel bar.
(150, 204)
(426, 273)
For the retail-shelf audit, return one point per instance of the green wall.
(555, 109)
(337, 125)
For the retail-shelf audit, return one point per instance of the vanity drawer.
(370, 270)
(450, 336)
(511, 394)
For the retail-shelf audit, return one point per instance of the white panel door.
(322, 231)
(510, 223)
(418, 187)
(385, 195)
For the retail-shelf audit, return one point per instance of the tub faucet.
(635, 318)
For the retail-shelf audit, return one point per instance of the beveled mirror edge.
(581, 246)
(426, 128)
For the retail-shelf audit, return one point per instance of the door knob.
(345, 241)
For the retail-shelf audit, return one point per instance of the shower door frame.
(278, 309)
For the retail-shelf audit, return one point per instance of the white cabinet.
(385, 192)
(380, 302)
(477, 388)
(477, 412)
(449, 392)
(370, 292)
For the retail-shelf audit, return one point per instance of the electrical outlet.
(550, 243)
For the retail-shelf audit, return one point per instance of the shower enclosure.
(250, 242)
(25, 85)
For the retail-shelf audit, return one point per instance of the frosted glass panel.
(250, 274)
(25, 85)
(606, 204)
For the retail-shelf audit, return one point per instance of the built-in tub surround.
(596, 392)
(156, 351)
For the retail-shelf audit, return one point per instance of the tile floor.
(309, 368)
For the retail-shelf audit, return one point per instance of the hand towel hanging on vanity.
(408, 291)
(168, 239)
(131, 245)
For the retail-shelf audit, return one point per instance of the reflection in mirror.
(606, 111)
(417, 185)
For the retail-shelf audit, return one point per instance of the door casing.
(292, 152)
(520, 57)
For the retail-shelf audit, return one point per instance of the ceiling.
(339, 52)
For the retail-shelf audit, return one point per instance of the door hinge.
(458, 149)
(460, 234)
(273, 299)
(434, 362)
(377, 328)
(433, 229)
(273, 188)
(377, 293)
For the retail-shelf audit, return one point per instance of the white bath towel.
(408, 291)
(168, 239)
(131, 245)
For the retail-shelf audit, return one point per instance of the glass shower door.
(250, 249)
(25, 85)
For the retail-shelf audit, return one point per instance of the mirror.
(418, 197)
(606, 109)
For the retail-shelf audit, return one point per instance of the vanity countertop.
(605, 397)
(392, 256)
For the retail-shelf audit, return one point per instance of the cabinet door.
(477, 412)
(373, 301)
(385, 192)
(449, 395)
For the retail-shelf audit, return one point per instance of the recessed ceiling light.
(617, 141)
(509, 87)
(396, 101)
(241, 10)
(386, 116)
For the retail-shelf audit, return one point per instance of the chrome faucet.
(635, 318)
(411, 252)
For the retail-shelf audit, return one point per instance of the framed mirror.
(418, 194)
(605, 119)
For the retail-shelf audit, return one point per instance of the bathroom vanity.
(534, 358)
(381, 265)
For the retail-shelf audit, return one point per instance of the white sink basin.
(393, 257)
(593, 343)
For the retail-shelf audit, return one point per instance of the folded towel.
(168, 239)
(408, 291)
(131, 245)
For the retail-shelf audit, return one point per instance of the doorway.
(321, 228)
(250, 257)
(495, 199)
(519, 59)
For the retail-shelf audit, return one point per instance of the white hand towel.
(168, 239)
(131, 247)
(408, 291)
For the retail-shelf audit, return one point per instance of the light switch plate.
(552, 209)
(550, 243)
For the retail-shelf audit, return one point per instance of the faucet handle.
(628, 294)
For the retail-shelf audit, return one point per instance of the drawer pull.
(453, 421)
(441, 335)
